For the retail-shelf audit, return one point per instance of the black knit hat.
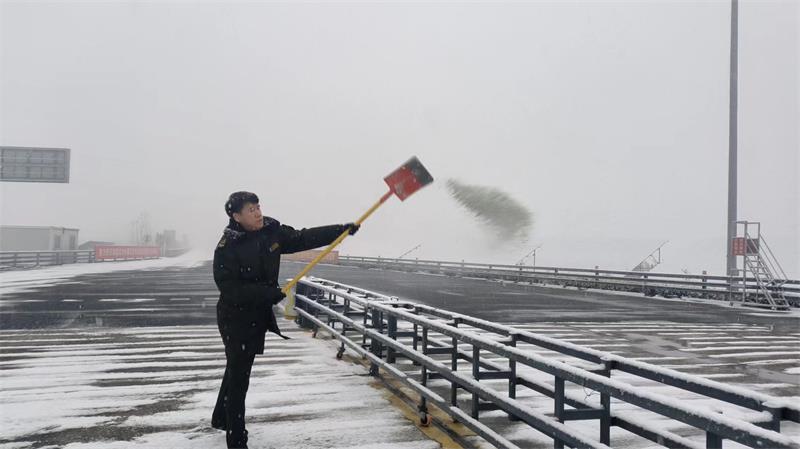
(237, 200)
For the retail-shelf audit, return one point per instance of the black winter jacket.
(246, 268)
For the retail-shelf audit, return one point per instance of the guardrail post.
(424, 371)
(476, 374)
(454, 367)
(596, 276)
(329, 319)
(364, 323)
(423, 402)
(644, 284)
(558, 397)
(776, 412)
(314, 295)
(298, 289)
(391, 331)
(512, 378)
(344, 312)
(375, 345)
(415, 340)
(37, 259)
(605, 403)
(704, 279)
(713, 441)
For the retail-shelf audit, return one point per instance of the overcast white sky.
(609, 120)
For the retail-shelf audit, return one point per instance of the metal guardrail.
(29, 259)
(384, 330)
(175, 252)
(32, 259)
(649, 284)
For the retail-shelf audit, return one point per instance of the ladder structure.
(760, 269)
(651, 261)
(410, 251)
(525, 258)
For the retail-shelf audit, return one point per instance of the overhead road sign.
(32, 164)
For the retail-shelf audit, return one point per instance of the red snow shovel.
(402, 182)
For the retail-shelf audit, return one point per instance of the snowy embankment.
(22, 280)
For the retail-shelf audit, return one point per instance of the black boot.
(240, 444)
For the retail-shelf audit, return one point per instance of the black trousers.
(229, 409)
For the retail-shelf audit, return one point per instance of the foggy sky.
(608, 120)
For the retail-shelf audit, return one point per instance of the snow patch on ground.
(300, 395)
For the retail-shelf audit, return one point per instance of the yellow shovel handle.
(333, 245)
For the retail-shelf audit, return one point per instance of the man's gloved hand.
(352, 227)
(275, 295)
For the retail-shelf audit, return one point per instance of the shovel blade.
(409, 178)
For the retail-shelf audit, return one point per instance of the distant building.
(37, 238)
(167, 239)
(92, 243)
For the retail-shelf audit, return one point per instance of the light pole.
(732, 137)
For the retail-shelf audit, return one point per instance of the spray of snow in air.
(497, 210)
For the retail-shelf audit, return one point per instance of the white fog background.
(608, 120)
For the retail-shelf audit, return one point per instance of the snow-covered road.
(108, 388)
